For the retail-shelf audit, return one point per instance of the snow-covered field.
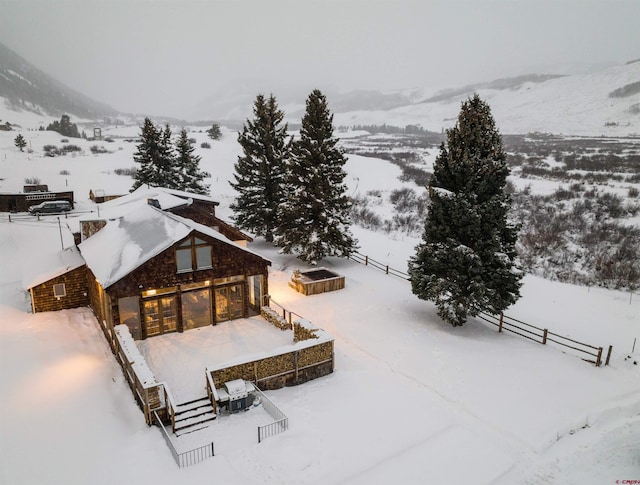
(412, 399)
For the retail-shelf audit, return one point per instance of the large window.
(193, 254)
(196, 308)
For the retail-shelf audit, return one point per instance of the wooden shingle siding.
(161, 271)
(76, 288)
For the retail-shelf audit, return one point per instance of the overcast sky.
(163, 57)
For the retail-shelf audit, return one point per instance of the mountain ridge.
(25, 87)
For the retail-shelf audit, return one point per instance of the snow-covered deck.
(180, 359)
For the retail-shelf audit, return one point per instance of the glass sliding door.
(229, 303)
(196, 309)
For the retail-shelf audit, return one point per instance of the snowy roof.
(168, 199)
(40, 268)
(127, 242)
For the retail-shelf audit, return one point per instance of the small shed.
(57, 281)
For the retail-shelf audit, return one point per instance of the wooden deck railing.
(186, 458)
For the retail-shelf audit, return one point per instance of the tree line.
(166, 163)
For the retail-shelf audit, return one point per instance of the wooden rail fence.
(544, 336)
(504, 322)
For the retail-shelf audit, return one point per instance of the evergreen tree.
(191, 178)
(20, 142)
(466, 261)
(259, 172)
(214, 132)
(148, 152)
(314, 219)
(168, 173)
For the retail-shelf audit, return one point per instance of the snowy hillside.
(25, 87)
(576, 105)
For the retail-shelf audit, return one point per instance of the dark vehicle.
(51, 207)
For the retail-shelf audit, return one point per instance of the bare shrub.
(51, 151)
(96, 149)
(404, 199)
(132, 171)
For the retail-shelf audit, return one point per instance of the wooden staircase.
(193, 415)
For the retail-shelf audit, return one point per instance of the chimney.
(89, 228)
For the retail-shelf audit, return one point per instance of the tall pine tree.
(168, 172)
(191, 178)
(314, 219)
(466, 261)
(147, 152)
(259, 172)
(157, 160)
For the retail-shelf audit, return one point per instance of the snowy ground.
(412, 399)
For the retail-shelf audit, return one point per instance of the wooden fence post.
(599, 358)
(544, 337)
(608, 355)
(366, 260)
(387, 269)
(501, 318)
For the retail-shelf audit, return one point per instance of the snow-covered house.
(158, 272)
(199, 208)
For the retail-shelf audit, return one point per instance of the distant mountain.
(606, 102)
(235, 102)
(502, 83)
(25, 87)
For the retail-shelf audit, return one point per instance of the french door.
(229, 302)
(160, 315)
